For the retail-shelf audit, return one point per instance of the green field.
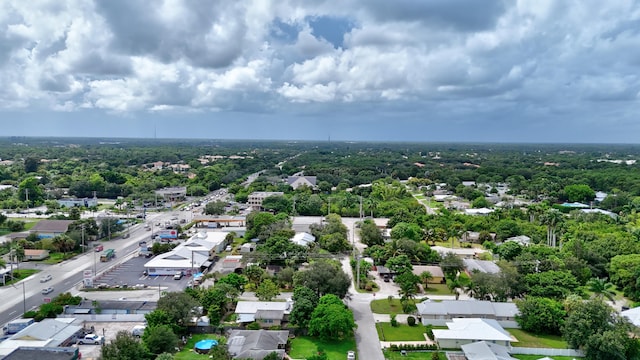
(304, 346)
(402, 332)
(526, 339)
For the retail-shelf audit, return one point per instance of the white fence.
(546, 351)
(108, 317)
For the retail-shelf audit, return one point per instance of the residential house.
(266, 313)
(483, 350)
(303, 239)
(437, 275)
(49, 333)
(468, 253)
(49, 353)
(50, 228)
(462, 331)
(248, 248)
(257, 344)
(484, 266)
(35, 254)
(439, 312)
(232, 263)
(523, 240)
(297, 181)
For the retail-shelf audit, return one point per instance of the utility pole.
(361, 214)
(82, 237)
(26, 195)
(24, 300)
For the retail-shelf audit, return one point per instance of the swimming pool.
(203, 346)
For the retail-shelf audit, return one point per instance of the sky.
(374, 70)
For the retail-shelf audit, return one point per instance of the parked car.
(138, 330)
(91, 339)
(45, 278)
(177, 276)
(351, 355)
(47, 290)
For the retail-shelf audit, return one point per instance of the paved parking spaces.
(130, 273)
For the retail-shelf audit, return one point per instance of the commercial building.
(49, 333)
(71, 202)
(256, 198)
(50, 228)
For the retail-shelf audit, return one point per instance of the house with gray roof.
(440, 312)
(298, 181)
(49, 333)
(483, 350)
(256, 344)
(266, 313)
(50, 228)
(485, 266)
(468, 330)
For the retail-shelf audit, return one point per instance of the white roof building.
(463, 331)
(480, 211)
(483, 350)
(633, 315)
(189, 256)
(247, 310)
(303, 239)
(484, 266)
(46, 333)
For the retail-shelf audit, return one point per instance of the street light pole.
(24, 300)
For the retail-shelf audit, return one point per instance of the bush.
(412, 347)
(394, 321)
(411, 321)
(30, 314)
(429, 331)
(254, 326)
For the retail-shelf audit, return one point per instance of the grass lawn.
(402, 332)
(384, 306)
(21, 274)
(57, 257)
(526, 339)
(536, 357)
(437, 289)
(304, 346)
(187, 352)
(395, 355)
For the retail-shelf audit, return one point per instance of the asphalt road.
(67, 275)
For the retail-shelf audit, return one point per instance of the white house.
(303, 239)
(189, 257)
(483, 350)
(267, 313)
(463, 331)
(440, 312)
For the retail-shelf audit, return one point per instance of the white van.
(138, 330)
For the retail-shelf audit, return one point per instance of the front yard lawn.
(305, 346)
(536, 357)
(426, 355)
(526, 339)
(384, 306)
(437, 289)
(402, 332)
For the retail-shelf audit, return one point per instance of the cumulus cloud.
(528, 59)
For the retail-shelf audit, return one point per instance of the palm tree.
(425, 276)
(454, 286)
(552, 218)
(3, 263)
(601, 288)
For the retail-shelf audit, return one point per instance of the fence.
(108, 317)
(546, 351)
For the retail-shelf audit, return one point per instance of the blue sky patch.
(330, 28)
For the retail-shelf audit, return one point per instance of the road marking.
(13, 312)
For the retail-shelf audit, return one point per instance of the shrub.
(394, 321)
(30, 314)
(435, 355)
(254, 326)
(411, 321)
(429, 331)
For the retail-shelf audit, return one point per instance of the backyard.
(526, 339)
(305, 346)
(187, 352)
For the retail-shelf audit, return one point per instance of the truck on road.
(17, 325)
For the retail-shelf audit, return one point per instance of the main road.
(27, 294)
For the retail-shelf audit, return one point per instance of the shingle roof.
(51, 226)
(256, 344)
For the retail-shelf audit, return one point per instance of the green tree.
(551, 284)
(552, 218)
(324, 277)
(179, 306)
(233, 279)
(601, 288)
(124, 347)
(399, 264)
(425, 277)
(407, 231)
(370, 234)
(267, 290)
(305, 301)
(408, 283)
(579, 193)
(157, 318)
(540, 315)
(215, 207)
(451, 264)
(585, 319)
(509, 250)
(160, 339)
(255, 274)
(331, 320)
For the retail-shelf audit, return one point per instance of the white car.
(91, 339)
(47, 290)
(45, 278)
(351, 355)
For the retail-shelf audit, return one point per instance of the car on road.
(45, 278)
(47, 290)
(91, 339)
(99, 248)
(351, 355)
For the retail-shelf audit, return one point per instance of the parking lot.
(130, 273)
